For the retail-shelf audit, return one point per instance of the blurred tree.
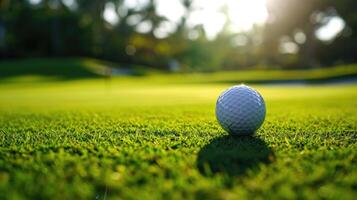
(291, 17)
(78, 28)
(47, 29)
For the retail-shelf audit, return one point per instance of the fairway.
(114, 139)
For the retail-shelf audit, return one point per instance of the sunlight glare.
(213, 15)
(241, 14)
(245, 13)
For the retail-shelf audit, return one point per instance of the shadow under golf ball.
(233, 155)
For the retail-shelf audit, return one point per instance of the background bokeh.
(183, 35)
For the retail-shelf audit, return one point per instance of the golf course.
(75, 134)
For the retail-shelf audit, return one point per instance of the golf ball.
(240, 110)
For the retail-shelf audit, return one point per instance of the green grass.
(59, 69)
(134, 138)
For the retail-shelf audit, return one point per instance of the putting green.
(135, 140)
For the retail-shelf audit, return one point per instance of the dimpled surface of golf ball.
(240, 110)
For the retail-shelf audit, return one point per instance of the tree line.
(54, 28)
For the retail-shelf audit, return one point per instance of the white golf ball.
(240, 110)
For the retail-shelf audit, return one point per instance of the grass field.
(54, 69)
(137, 139)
